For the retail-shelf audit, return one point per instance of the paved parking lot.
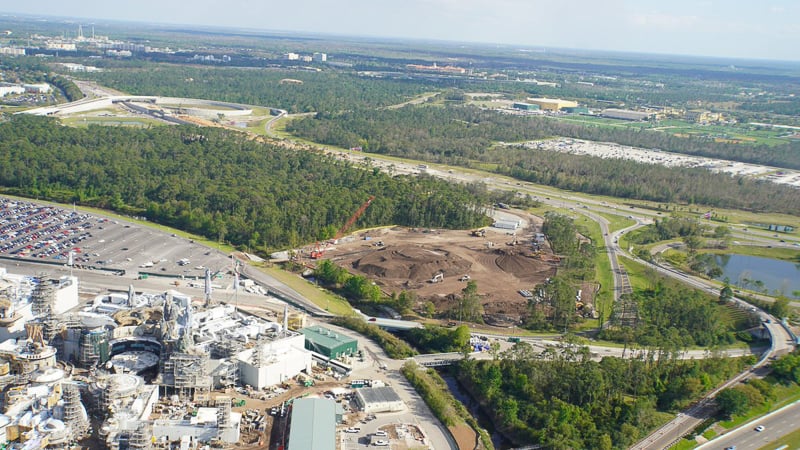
(46, 233)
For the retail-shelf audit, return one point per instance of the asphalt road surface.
(776, 425)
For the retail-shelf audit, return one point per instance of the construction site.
(436, 265)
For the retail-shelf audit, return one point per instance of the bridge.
(390, 324)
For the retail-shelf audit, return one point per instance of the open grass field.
(616, 221)
(320, 297)
(641, 277)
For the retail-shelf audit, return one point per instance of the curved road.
(684, 422)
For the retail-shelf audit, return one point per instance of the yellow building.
(552, 104)
(702, 117)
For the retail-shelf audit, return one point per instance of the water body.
(499, 441)
(777, 275)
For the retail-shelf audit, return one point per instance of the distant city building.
(320, 57)
(291, 56)
(435, 68)
(60, 45)
(702, 116)
(11, 51)
(537, 82)
(576, 110)
(72, 67)
(552, 104)
(126, 46)
(119, 53)
(10, 89)
(37, 88)
(525, 106)
(626, 114)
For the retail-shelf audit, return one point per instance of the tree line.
(676, 317)
(220, 184)
(312, 91)
(561, 399)
(467, 137)
(386, 131)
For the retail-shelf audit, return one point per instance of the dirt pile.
(407, 259)
(411, 263)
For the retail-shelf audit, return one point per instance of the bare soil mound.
(522, 267)
(412, 263)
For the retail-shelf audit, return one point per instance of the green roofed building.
(576, 109)
(328, 342)
(525, 106)
(313, 424)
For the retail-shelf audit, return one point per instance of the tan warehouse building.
(552, 104)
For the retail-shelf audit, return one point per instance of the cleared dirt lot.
(408, 259)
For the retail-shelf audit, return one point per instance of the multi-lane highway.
(589, 207)
(776, 424)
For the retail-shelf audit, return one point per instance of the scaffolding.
(74, 415)
(43, 296)
(226, 374)
(223, 405)
(141, 438)
(185, 374)
(225, 348)
(93, 347)
(42, 299)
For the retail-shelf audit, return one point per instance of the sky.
(762, 29)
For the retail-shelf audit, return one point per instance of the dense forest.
(311, 92)
(678, 317)
(562, 399)
(465, 136)
(220, 183)
(468, 132)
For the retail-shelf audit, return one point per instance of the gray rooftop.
(383, 394)
(313, 424)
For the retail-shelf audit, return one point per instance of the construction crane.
(353, 218)
(319, 251)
